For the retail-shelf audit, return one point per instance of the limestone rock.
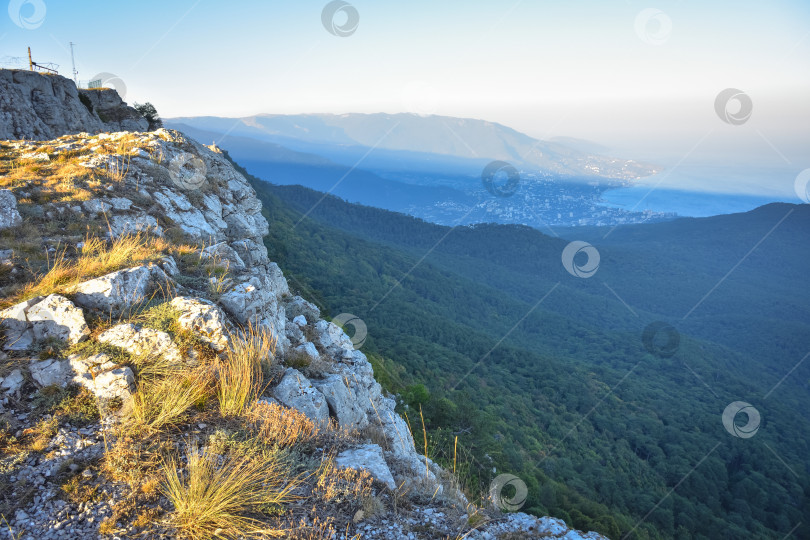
(252, 253)
(521, 525)
(367, 457)
(105, 206)
(12, 383)
(246, 301)
(278, 283)
(142, 341)
(329, 334)
(9, 216)
(118, 291)
(297, 392)
(19, 336)
(297, 306)
(294, 334)
(179, 209)
(204, 319)
(49, 372)
(309, 350)
(349, 412)
(169, 265)
(36, 106)
(121, 225)
(102, 377)
(57, 317)
(225, 255)
(41, 318)
(112, 110)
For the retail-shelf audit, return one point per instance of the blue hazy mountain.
(436, 140)
(444, 188)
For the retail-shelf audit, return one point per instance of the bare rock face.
(297, 306)
(9, 216)
(296, 391)
(112, 111)
(36, 106)
(343, 400)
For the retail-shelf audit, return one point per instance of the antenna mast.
(73, 61)
(30, 62)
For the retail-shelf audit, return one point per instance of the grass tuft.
(215, 497)
(241, 371)
(277, 425)
(165, 402)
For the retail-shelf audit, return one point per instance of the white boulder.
(41, 318)
(142, 341)
(225, 255)
(49, 372)
(204, 319)
(118, 291)
(297, 306)
(102, 377)
(57, 317)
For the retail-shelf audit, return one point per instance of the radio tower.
(73, 60)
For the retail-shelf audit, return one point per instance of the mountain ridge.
(474, 139)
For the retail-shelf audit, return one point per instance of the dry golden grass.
(274, 424)
(165, 402)
(240, 373)
(215, 496)
(98, 257)
(41, 434)
(337, 485)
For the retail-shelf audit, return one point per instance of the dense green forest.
(546, 376)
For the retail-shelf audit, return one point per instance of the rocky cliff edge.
(153, 355)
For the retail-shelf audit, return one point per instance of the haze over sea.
(701, 190)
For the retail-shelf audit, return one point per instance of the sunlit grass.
(215, 496)
(98, 257)
(240, 372)
(166, 402)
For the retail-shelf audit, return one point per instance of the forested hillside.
(546, 376)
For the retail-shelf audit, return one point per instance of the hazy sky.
(638, 77)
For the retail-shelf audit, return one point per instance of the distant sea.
(684, 191)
